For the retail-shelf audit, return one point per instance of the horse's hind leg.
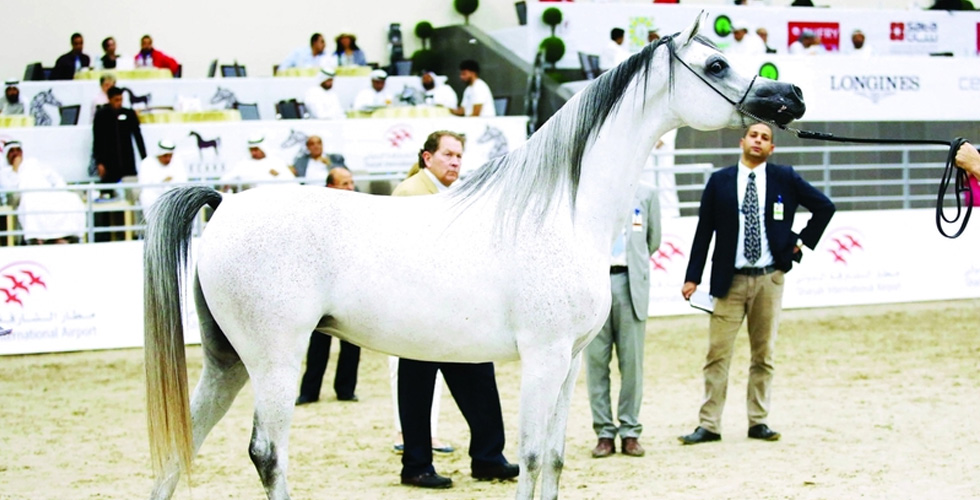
(275, 391)
(222, 377)
(544, 370)
(555, 440)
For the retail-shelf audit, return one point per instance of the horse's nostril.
(798, 92)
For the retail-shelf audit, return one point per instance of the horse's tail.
(165, 251)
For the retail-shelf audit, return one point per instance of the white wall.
(256, 33)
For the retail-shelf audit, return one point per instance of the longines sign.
(874, 87)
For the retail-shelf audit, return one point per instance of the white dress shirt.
(765, 258)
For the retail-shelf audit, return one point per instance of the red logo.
(844, 245)
(398, 135)
(829, 33)
(19, 281)
(897, 32)
(668, 252)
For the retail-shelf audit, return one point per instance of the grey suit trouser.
(626, 333)
(761, 299)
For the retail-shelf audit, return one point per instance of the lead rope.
(959, 176)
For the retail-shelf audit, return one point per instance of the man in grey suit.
(625, 329)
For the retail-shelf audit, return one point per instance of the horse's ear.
(687, 35)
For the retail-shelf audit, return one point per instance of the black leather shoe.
(700, 435)
(352, 397)
(763, 432)
(302, 400)
(497, 471)
(428, 480)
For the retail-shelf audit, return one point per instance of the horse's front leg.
(544, 369)
(555, 439)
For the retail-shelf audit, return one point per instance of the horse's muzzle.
(776, 101)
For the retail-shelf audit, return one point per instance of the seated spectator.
(347, 53)
(313, 56)
(436, 94)
(110, 59)
(952, 5)
(614, 53)
(375, 97)
(11, 104)
(764, 35)
(652, 35)
(744, 43)
(313, 165)
(45, 216)
(159, 169)
(106, 82)
(858, 45)
(477, 99)
(808, 44)
(66, 65)
(148, 57)
(256, 168)
(321, 101)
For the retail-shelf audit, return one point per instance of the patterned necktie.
(753, 232)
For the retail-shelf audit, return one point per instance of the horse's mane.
(529, 177)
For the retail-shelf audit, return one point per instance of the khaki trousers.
(761, 299)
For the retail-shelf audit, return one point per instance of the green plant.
(466, 7)
(554, 49)
(424, 59)
(424, 31)
(552, 17)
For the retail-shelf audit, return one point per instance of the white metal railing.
(902, 184)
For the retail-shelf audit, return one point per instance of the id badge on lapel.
(637, 221)
(777, 208)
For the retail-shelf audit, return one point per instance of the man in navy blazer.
(754, 247)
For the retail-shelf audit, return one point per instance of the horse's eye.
(717, 67)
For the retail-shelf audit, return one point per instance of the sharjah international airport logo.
(21, 284)
(398, 135)
(668, 255)
(844, 246)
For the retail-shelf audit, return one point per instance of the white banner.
(865, 257)
(368, 145)
(57, 298)
(80, 297)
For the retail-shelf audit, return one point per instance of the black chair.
(69, 114)
(232, 71)
(212, 68)
(180, 71)
(287, 110)
(594, 62)
(33, 72)
(248, 111)
(301, 110)
(47, 73)
(521, 12)
(500, 105)
(589, 72)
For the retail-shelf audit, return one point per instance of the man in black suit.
(754, 247)
(66, 65)
(114, 130)
(318, 353)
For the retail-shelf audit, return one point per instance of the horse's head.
(709, 93)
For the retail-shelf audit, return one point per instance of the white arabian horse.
(514, 264)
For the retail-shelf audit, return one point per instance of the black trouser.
(344, 382)
(474, 387)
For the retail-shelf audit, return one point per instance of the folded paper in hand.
(703, 301)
